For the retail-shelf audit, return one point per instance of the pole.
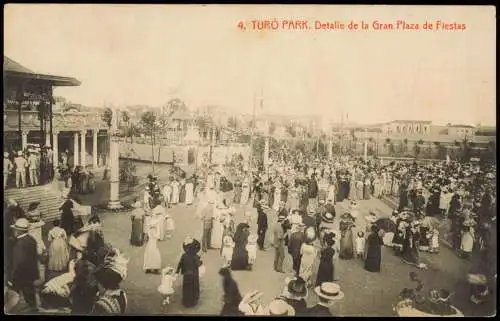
(114, 197)
(251, 134)
(366, 145)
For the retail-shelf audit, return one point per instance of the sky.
(149, 54)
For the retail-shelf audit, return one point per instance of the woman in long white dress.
(308, 255)
(189, 192)
(217, 227)
(160, 215)
(175, 192)
(277, 195)
(152, 256)
(330, 196)
(245, 190)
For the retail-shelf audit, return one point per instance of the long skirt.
(366, 192)
(373, 258)
(137, 234)
(245, 194)
(189, 194)
(216, 238)
(240, 259)
(182, 194)
(237, 195)
(346, 246)
(306, 268)
(58, 255)
(359, 191)
(293, 202)
(190, 289)
(353, 195)
(152, 256)
(325, 273)
(162, 225)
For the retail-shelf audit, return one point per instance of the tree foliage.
(107, 116)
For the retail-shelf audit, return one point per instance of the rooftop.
(411, 121)
(461, 126)
(14, 69)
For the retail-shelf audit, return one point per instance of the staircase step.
(48, 197)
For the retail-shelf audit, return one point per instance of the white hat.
(21, 224)
(5, 154)
(279, 308)
(20, 153)
(137, 204)
(330, 291)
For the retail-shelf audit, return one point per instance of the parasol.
(386, 224)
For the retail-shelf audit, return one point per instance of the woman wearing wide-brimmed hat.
(373, 253)
(137, 218)
(188, 266)
(346, 239)
(251, 303)
(239, 260)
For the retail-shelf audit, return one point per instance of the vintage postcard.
(235, 160)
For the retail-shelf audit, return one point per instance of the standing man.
(261, 226)
(21, 165)
(34, 167)
(282, 210)
(7, 169)
(296, 239)
(49, 169)
(313, 191)
(279, 244)
(207, 218)
(24, 264)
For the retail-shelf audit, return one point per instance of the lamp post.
(114, 157)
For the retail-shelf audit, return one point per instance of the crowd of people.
(301, 199)
(73, 270)
(31, 166)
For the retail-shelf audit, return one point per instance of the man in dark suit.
(24, 264)
(294, 243)
(261, 226)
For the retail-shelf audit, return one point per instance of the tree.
(291, 130)
(405, 142)
(272, 128)
(148, 119)
(417, 150)
(232, 122)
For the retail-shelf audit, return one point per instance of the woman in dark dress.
(137, 218)
(232, 296)
(346, 239)
(326, 268)
(189, 268)
(239, 260)
(373, 250)
(67, 217)
(182, 191)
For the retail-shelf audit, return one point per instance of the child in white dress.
(166, 287)
(227, 250)
(252, 249)
(360, 244)
(435, 241)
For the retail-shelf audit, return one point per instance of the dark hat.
(347, 216)
(297, 287)
(33, 206)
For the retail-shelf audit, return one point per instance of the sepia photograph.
(249, 160)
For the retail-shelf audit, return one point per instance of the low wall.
(183, 155)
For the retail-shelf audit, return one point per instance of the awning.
(53, 80)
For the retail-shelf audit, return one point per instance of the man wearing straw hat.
(279, 308)
(327, 293)
(34, 166)
(24, 264)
